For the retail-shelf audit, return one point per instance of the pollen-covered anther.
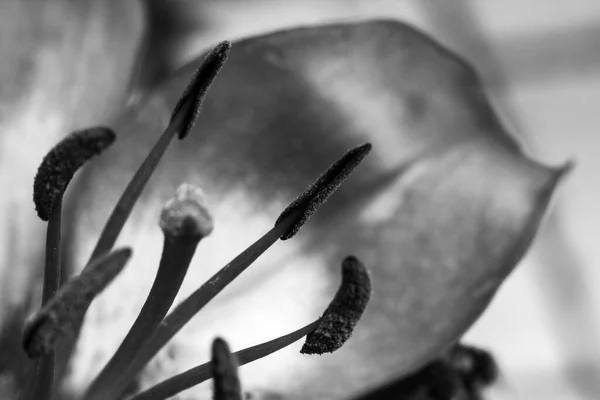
(61, 163)
(58, 317)
(188, 106)
(186, 214)
(339, 319)
(225, 372)
(324, 335)
(318, 193)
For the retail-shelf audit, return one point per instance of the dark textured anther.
(339, 319)
(188, 105)
(61, 163)
(317, 193)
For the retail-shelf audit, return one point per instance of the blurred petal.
(442, 209)
(64, 65)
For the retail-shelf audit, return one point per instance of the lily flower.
(441, 211)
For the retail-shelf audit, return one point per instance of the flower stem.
(44, 379)
(52, 269)
(201, 373)
(132, 192)
(174, 263)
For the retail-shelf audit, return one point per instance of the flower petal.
(442, 209)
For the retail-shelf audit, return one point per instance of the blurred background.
(540, 61)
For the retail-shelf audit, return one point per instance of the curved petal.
(64, 65)
(441, 211)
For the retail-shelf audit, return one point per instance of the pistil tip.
(318, 193)
(339, 319)
(187, 214)
(61, 163)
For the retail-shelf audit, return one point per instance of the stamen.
(183, 118)
(225, 375)
(61, 163)
(182, 121)
(53, 176)
(353, 293)
(322, 188)
(185, 220)
(55, 319)
(328, 182)
(338, 321)
(187, 109)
